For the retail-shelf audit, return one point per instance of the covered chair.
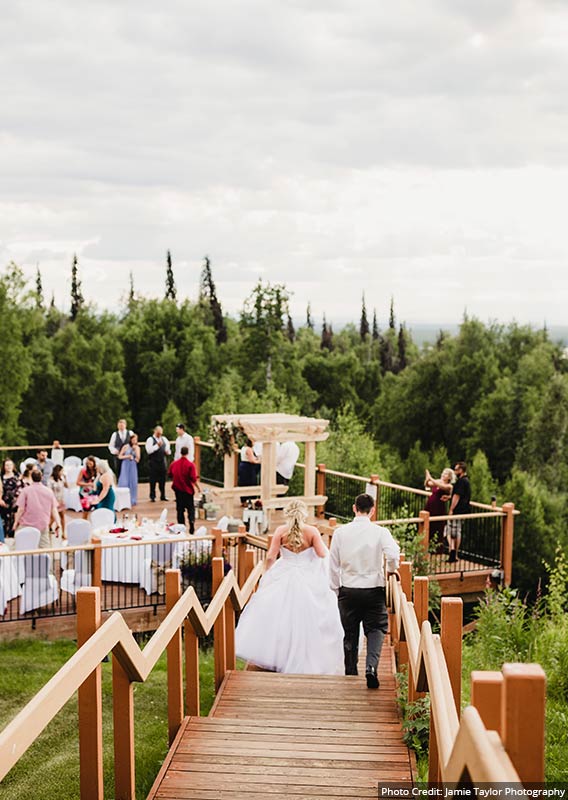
(25, 539)
(25, 463)
(40, 587)
(71, 461)
(101, 518)
(154, 571)
(9, 583)
(79, 562)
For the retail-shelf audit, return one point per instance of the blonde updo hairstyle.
(296, 513)
(450, 474)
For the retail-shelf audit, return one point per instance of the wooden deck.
(280, 736)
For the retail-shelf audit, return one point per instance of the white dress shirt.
(152, 446)
(357, 552)
(185, 440)
(111, 446)
(286, 457)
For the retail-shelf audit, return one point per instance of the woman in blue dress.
(129, 459)
(105, 486)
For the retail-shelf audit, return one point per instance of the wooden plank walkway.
(289, 736)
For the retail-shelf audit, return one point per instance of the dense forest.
(494, 395)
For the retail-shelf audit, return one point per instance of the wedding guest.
(57, 452)
(184, 439)
(27, 473)
(157, 447)
(104, 487)
(459, 504)
(118, 439)
(12, 485)
(287, 455)
(247, 468)
(184, 482)
(37, 507)
(86, 483)
(58, 484)
(441, 489)
(129, 457)
(45, 466)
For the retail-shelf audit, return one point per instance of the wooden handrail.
(468, 746)
(115, 636)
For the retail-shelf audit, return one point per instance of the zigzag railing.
(500, 736)
(82, 673)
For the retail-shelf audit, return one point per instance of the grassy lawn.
(50, 768)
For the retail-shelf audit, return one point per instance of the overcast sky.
(413, 149)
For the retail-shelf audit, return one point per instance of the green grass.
(50, 768)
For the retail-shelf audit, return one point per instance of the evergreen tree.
(39, 289)
(171, 292)
(309, 321)
(364, 323)
(326, 336)
(386, 354)
(131, 295)
(375, 326)
(392, 323)
(208, 299)
(402, 360)
(290, 330)
(52, 302)
(77, 299)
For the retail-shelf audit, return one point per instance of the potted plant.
(211, 510)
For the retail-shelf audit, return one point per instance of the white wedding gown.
(292, 623)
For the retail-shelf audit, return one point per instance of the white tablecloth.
(9, 584)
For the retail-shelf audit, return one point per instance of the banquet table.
(9, 584)
(128, 564)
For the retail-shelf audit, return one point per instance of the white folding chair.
(25, 463)
(78, 533)
(25, 539)
(9, 583)
(154, 571)
(123, 499)
(164, 516)
(71, 461)
(101, 518)
(40, 587)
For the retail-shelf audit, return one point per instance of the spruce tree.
(375, 326)
(386, 354)
(290, 330)
(171, 292)
(208, 298)
(402, 362)
(364, 324)
(131, 295)
(77, 299)
(39, 289)
(326, 336)
(392, 323)
(309, 321)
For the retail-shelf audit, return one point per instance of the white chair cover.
(78, 533)
(161, 559)
(223, 524)
(71, 461)
(72, 499)
(101, 518)
(123, 499)
(202, 531)
(9, 583)
(72, 473)
(27, 461)
(25, 539)
(164, 515)
(40, 587)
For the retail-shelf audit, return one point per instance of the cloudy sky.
(409, 149)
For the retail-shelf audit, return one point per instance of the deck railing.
(499, 738)
(82, 673)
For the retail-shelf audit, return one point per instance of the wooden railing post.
(421, 583)
(522, 722)
(405, 571)
(249, 563)
(507, 535)
(219, 636)
(424, 529)
(90, 698)
(487, 698)
(230, 657)
(191, 640)
(97, 563)
(197, 456)
(374, 480)
(123, 732)
(320, 488)
(241, 550)
(451, 637)
(174, 658)
(217, 549)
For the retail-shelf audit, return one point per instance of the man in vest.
(157, 447)
(119, 438)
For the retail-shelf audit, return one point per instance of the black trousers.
(367, 606)
(184, 502)
(157, 475)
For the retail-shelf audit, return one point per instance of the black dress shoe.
(164, 499)
(453, 557)
(152, 499)
(372, 680)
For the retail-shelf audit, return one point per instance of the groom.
(356, 569)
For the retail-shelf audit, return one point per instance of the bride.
(292, 623)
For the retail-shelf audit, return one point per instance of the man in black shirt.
(461, 495)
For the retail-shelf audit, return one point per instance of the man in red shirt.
(184, 481)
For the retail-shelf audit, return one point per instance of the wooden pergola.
(270, 429)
